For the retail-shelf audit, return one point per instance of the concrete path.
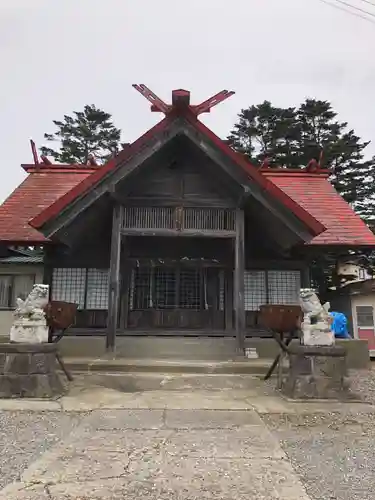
(162, 454)
(163, 445)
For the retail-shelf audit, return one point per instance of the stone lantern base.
(29, 371)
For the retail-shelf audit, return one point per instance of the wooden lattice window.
(97, 289)
(179, 219)
(68, 285)
(255, 290)
(271, 287)
(148, 218)
(209, 219)
(88, 288)
(284, 287)
(166, 288)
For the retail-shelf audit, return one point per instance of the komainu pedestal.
(316, 372)
(29, 371)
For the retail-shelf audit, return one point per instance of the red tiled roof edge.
(314, 225)
(316, 194)
(38, 221)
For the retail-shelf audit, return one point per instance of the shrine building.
(177, 235)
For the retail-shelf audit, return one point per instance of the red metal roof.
(315, 194)
(312, 192)
(39, 190)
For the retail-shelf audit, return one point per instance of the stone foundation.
(29, 371)
(317, 373)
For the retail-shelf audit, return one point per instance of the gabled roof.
(49, 191)
(314, 226)
(42, 187)
(316, 194)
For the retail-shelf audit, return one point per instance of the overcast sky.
(57, 56)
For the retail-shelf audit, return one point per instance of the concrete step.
(200, 349)
(176, 382)
(159, 366)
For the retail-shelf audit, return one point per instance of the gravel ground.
(363, 383)
(24, 436)
(333, 453)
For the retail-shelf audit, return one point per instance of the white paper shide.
(316, 325)
(30, 325)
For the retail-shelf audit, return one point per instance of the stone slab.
(109, 489)
(210, 419)
(23, 491)
(71, 466)
(164, 455)
(210, 478)
(25, 404)
(125, 419)
(134, 441)
(233, 443)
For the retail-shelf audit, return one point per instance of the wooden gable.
(180, 175)
(181, 164)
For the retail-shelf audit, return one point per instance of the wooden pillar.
(48, 266)
(126, 271)
(239, 279)
(114, 279)
(228, 298)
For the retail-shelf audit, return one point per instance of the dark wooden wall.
(180, 174)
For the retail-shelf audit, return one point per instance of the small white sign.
(251, 353)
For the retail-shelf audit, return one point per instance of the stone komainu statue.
(316, 325)
(30, 325)
(34, 304)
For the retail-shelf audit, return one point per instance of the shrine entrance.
(179, 296)
(176, 284)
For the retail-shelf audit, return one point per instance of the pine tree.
(88, 132)
(265, 131)
(291, 137)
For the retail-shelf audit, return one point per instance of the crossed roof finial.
(181, 100)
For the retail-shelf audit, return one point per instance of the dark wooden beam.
(276, 265)
(114, 279)
(139, 201)
(306, 277)
(174, 232)
(239, 279)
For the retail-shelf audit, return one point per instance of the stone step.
(159, 366)
(177, 382)
(190, 349)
